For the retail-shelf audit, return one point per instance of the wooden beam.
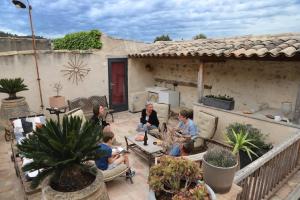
(200, 81)
(296, 118)
(182, 83)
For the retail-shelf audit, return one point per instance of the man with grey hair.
(148, 119)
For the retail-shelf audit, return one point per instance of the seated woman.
(186, 131)
(148, 119)
(99, 119)
(186, 128)
(111, 159)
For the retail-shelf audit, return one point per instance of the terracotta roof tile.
(274, 45)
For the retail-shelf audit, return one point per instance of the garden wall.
(276, 132)
(22, 44)
(51, 64)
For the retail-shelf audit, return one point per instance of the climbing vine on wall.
(79, 41)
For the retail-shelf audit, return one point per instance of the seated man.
(111, 159)
(148, 119)
(182, 149)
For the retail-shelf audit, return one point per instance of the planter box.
(218, 103)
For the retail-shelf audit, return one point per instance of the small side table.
(57, 111)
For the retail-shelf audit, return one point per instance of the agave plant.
(61, 151)
(12, 86)
(241, 141)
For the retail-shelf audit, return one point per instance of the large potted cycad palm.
(13, 106)
(60, 152)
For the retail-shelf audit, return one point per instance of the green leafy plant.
(222, 97)
(163, 38)
(220, 157)
(61, 151)
(199, 36)
(12, 86)
(79, 41)
(256, 136)
(241, 142)
(197, 193)
(172, 175)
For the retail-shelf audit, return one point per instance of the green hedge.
(79, 41)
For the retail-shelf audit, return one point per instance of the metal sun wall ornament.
(76, 70)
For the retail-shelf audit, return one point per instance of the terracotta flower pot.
(14, 108)
(95, 191)
(57, 101)
(218, 178)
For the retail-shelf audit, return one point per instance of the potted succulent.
(60, 153)
(13, 106)
(177, 178)
(219, 166)
(224, 102)
(249, 141)
(57, 101)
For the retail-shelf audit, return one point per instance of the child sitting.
(111, 159)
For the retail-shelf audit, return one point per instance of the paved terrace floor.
(118, 189)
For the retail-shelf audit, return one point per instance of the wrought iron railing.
(263, 177)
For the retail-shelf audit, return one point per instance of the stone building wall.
(251, 83)
(21, 64)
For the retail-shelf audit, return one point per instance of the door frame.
(110, 61)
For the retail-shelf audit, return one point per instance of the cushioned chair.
(137, 101)
(207, 124)
(108, 175)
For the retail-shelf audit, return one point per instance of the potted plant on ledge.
(177, 179)
(248, 141)
(60, 152)
(57, 101)
(224, 102)
(219, 166)
(13, 106)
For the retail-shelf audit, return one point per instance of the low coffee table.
(148, 152)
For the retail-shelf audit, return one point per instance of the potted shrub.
(177, 178)
(57, 101)
(224, 102)
(258, 144)
(219, 166)
(61, 152)
(13, 106)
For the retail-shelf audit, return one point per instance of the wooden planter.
(218, 178)
(218, 103)
(95, 191)
(57, 101)
(14, 108)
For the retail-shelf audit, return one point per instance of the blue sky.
(144, 20)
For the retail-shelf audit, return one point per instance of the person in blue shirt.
(111, 159)
(185, 131)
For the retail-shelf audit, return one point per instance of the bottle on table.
(146, 138)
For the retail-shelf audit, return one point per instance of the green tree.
(163, 38)
(199, 36)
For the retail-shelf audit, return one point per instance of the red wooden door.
(118, 84)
